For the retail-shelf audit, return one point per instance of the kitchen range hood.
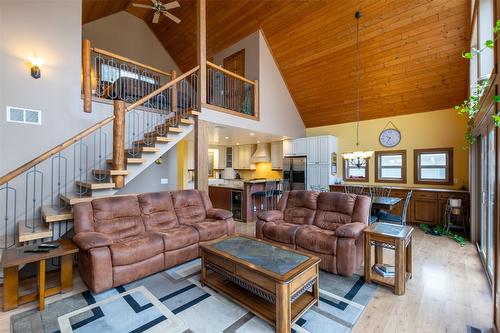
(262, 154)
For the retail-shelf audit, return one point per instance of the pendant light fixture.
(358, 158)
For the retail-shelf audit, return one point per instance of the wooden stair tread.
(175, 130)
(153, 140)
(194, 112)
(73, 198)
(187, 121)
(130, 160)
(55, 214)
(142, 149)
(168, 128)
(95, 186)
(110, 172)
(26, 234)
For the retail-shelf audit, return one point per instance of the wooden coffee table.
(15, 257)
(274, 282)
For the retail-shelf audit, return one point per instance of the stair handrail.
(46, 155)
(222, 69)
(161, 89)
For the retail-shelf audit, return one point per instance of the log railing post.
(256, 99)
(173, 76)
(119, 142)
(87, 76)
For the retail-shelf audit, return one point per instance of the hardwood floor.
(447, 292)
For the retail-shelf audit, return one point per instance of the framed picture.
(210, 164)
(334, 164)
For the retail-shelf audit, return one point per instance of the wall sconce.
(36, 63)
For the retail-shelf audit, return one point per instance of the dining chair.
(397, 219)
(378, 191)
(372, 218)
(354, 189)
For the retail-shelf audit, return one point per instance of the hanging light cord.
(358, 15)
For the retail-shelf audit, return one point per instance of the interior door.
(234, 88)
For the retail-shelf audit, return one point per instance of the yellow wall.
(262, 170)
(436, 129)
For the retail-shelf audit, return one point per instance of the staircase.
(36, 199)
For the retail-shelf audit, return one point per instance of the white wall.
(50, 30)
(149, 179)
(251, 46)
(127, 35)
(278, 113)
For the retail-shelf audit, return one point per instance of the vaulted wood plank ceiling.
(410, 50)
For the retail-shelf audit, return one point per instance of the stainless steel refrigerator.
(294, 173)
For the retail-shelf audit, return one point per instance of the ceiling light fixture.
(357, 158)
(252, 134)
(226, 138)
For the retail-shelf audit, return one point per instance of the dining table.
(384, 203)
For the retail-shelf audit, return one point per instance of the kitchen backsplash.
(263, 170)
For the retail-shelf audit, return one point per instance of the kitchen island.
(236, 196)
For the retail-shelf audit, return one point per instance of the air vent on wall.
(25, 116)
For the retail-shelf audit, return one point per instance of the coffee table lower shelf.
(255, 304)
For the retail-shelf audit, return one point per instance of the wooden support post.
(256, 99)
(10, 287)
(201, 127)
(41, 284)
(87, 76)
(119, 142)
(173, 76)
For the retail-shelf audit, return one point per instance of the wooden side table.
(15, 257)
(390, 236)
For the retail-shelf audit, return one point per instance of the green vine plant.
(470, 106)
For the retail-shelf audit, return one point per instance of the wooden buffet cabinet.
(427, 205)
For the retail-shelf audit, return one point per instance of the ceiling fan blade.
(141, 5)
(171, 5)
(156, 17)
(172, 17)
(154, 2)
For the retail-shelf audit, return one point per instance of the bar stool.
(278, 192)
(264, 196)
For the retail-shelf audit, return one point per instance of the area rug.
(173, 301)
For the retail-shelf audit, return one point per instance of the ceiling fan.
(160, 8)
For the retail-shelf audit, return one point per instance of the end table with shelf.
(15, 257)
(390, 236)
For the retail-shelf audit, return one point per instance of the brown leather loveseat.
(125, 238)
(329, 225)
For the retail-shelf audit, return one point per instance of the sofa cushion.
(301, 207)
(316, 239)
(188, 206)
(118, 217)
(334, 209)
(158, 211)
(179, 237)
(134, 249)
(282, 232)
(211, 229)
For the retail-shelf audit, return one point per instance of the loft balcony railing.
(108, 76)
(231, 93)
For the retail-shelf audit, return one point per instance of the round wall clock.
(390, 137)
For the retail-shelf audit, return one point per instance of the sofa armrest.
(351, 230)
(219, 214)
(90, 240)
(270, 216)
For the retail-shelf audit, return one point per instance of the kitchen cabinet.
(318, 176)
(287, 147)
(228, 157)
(300, 146)
(319, 149)
(277, 155)
(242, 156)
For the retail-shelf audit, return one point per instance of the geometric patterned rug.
(173, 301)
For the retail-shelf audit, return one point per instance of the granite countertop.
(261, 181)
(231, 186)
(409, 188)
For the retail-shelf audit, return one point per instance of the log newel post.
(119, 142)
(173, 76)
(87, 76)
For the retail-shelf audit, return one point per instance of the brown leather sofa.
(125, 238)
(329, 225)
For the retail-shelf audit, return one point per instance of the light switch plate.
(163, 181)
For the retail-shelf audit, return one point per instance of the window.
(434, 166)
(355, 174)
(390, 166)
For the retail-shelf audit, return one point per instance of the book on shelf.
(380, 269)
